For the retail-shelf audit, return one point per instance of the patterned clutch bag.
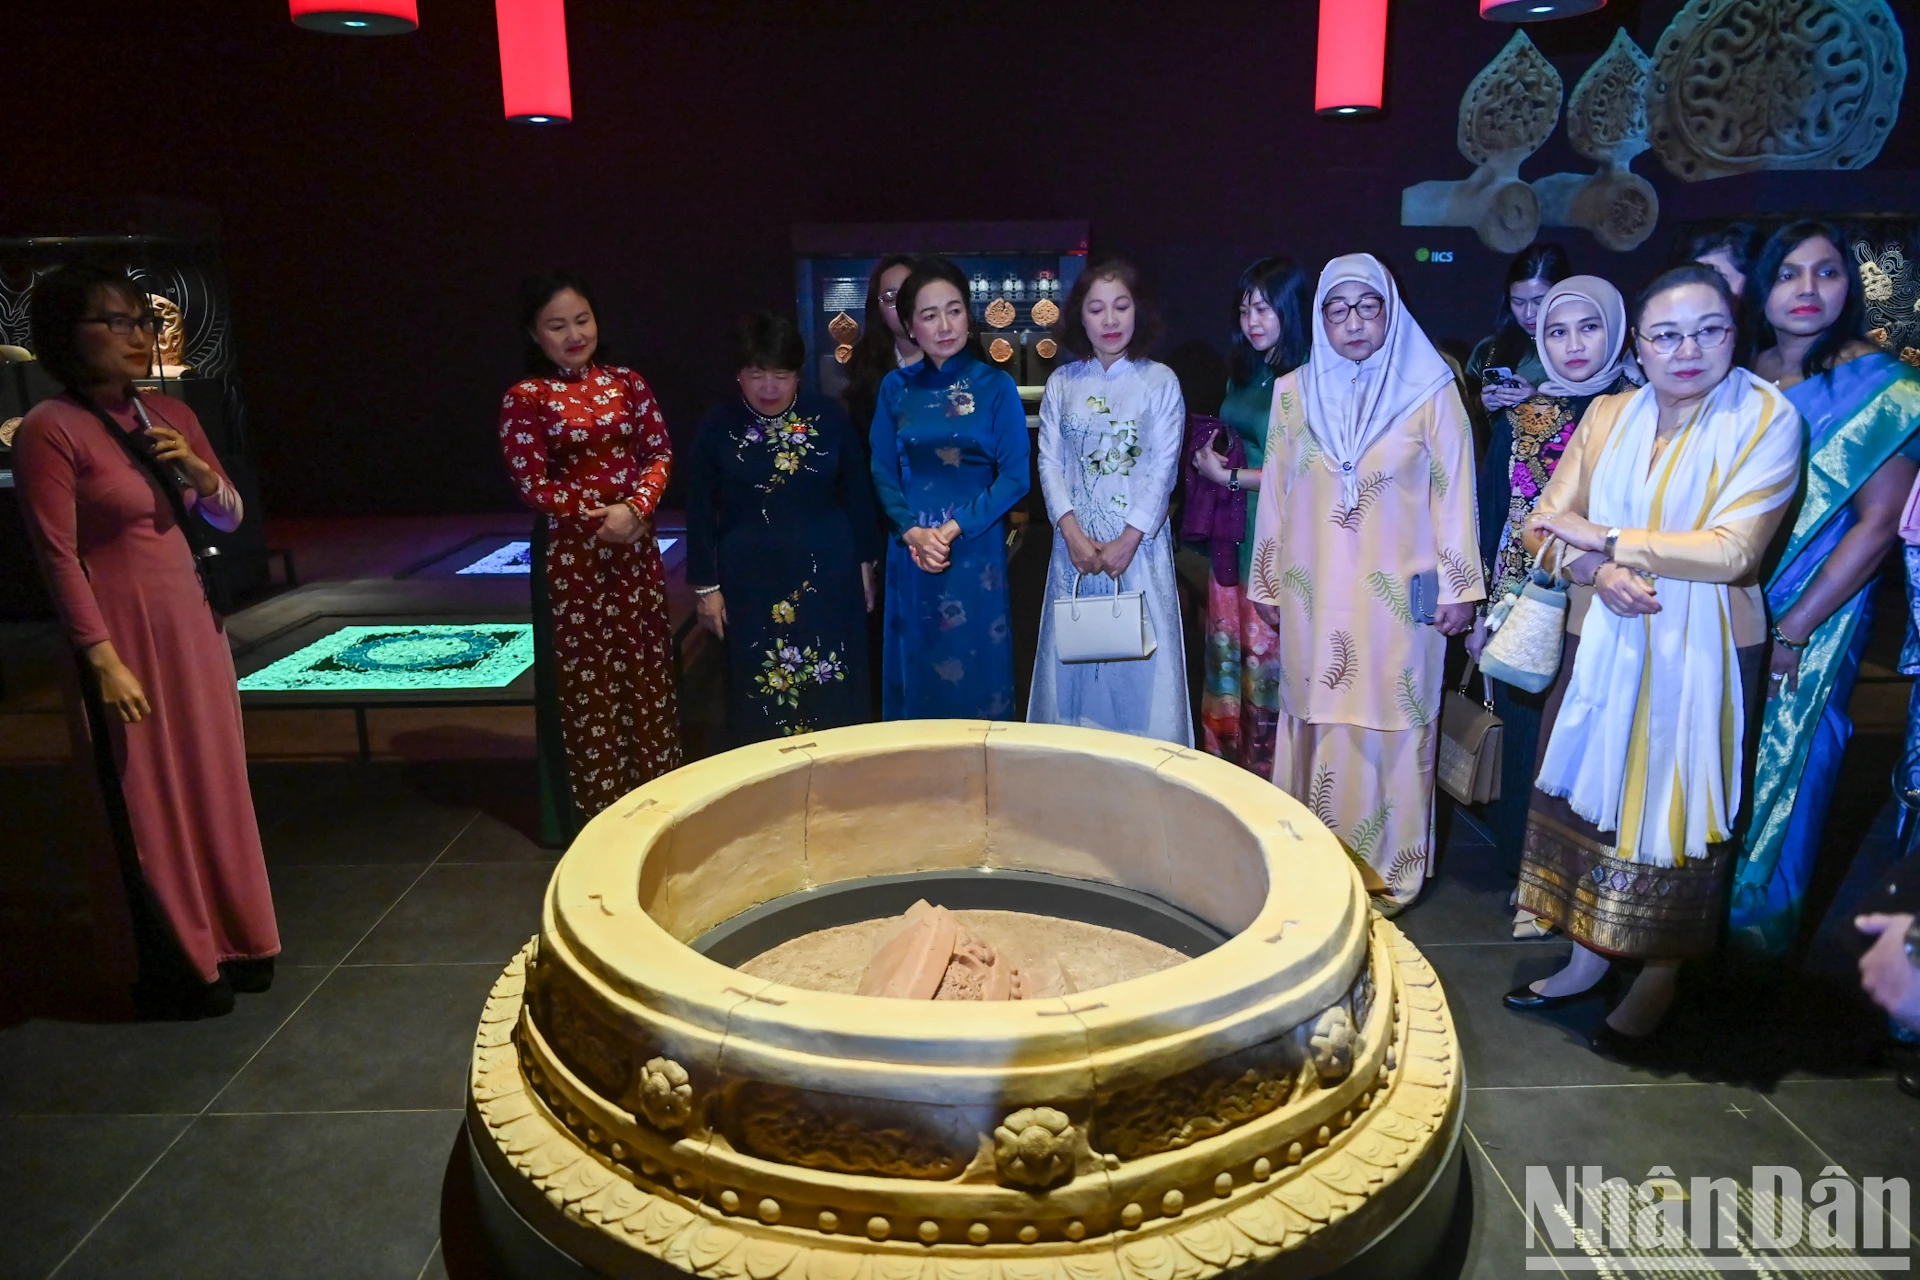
(1529, 630)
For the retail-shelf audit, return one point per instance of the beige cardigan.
(1729, 553)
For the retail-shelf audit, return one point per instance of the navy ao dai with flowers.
(1110, 453)
(949, 443)
(780, 517)
(582, 439)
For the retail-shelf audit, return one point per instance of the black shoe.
(1907, 1079)
(1612, 1043)
(1527, 1000)
(249, 977)
(181, 1001)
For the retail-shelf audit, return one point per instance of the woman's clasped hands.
(932, 549)
(1088, 556)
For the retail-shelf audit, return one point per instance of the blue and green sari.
(1857, 417)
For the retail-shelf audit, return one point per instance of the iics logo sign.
(1433, 255)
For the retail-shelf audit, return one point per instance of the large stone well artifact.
(1286, 1102)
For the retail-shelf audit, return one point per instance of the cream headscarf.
(1613, 314)
(1350, 406)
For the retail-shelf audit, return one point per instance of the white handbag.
(1112, 628)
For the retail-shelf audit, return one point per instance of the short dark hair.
(1849, 325)
(1288, 291)
(928, 270)
(1548, 262)
(60, 300)
(1146, 317)
(769, 341)
(536, 291)
(1677, 277)
(1735, 239)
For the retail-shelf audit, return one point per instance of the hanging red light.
(533, 60)
(357, 17)
(1536, 10)
(1350, 72)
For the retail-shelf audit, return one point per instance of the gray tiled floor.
(309, 1133)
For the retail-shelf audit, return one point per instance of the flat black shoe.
(1907, 1080)
(249, 977)
(1612, 1043)
(1527, 1000)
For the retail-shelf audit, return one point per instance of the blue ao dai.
(1109, 453)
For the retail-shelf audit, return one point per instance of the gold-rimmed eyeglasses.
(1706, 337)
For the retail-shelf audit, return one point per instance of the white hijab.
(1350, 406)
(1647, 743)
(1613, 314)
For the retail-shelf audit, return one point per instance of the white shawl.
(1349, 406)
(1648, 739)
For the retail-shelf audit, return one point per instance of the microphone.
(146, 424)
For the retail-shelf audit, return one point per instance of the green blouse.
(1246, 409)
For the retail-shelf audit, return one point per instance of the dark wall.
(376, 211)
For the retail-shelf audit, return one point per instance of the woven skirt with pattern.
(1630, 910)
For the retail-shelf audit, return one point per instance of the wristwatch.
(1613, 537)
(1233, 480)
(1913, 943)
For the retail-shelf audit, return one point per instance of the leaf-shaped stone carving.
(1512, 105)
(1607, 113)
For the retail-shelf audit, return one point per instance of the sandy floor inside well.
(1092, 955)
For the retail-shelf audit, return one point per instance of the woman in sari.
(1581, 342)
(1660, 511)
(1365, 560)
(1862, 409)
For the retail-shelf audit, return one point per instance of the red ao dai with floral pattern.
(575, 441)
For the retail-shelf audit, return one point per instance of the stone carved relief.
(1299, 1197)
(1199, 1104)
(1035, 1147)
(171, 344)
(823, 1131)
(1890, 286)
(588, 1047)
(1331, 1043)
(1745, 85)
(666, 1094)
(1607, 123)
(1508, 112)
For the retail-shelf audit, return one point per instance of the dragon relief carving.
(847, 1135)
(1745, 85)
(1210, 1099)
(592, 1050)
(1606, 123)
(1507, 113)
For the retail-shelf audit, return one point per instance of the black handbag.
(207, 563)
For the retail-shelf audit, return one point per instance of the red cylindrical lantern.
(1536, 10)
(1350, 73)
(357, 17)
(533, 60)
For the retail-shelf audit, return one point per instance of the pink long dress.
(120, 569)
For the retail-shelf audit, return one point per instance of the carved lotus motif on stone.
(1741, 85)
(666, 1094)
(1507, 112)
(1331, 1043)
(1034, 1147)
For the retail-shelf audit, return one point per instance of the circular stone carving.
(843, 1109)
(1742, 85)
(1034, 1148)
(1000, 313)
(1000, 350)
(1046, 313)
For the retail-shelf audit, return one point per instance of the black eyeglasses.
(1369, 308)
(124, 325)
(1707, 337)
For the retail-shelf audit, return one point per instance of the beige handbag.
(1471, 739)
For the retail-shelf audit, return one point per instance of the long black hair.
(1735, 239)
(873, 354)
(1511, 341)
(536, 291)
(60, 300)
(1285, 287)
(1849, 326)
